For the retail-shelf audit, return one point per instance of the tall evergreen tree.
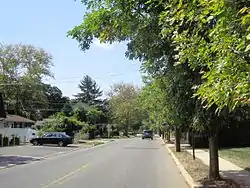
(90, 91)
(55, 99)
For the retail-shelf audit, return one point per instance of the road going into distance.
(127, 163)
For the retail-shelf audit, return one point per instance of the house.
(17, 125)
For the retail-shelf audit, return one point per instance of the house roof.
(16, 118)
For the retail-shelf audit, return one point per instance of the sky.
(45, 24)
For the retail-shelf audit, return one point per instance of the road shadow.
(6, 161)
(140, 148)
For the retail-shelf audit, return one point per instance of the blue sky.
(45, 24)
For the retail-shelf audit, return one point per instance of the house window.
(15, 125)
(20, 125)
(5, 125)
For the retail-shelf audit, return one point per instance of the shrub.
(14, 140)
(5, 141)
(115, 132)
(40, 133)
(17, 140)
(11, 142)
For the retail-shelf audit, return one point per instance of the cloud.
(104, 46)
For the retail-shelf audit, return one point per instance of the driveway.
(16, 155)
(129, 163)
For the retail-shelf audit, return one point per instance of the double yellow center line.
(66, 177)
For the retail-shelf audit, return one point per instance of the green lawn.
(238, 156)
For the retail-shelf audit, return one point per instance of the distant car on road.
(147, 134)
(61, 139)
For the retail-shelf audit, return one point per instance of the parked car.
(147, 134)
(61, 139)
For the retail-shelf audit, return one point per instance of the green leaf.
(247, 48)
(248, 37)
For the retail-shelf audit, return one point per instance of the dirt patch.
(224, 183)
(196, 168)
(199, 171)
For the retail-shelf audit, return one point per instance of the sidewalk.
(227, 169)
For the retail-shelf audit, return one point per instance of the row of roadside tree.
(194, 54)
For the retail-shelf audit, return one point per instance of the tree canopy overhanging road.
(195, 67)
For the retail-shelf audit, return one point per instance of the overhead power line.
(67, 80)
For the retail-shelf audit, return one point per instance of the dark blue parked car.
(147, 134)
(58, 138)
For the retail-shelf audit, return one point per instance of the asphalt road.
(34, 151)
(131, 163)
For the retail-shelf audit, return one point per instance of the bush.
(40, 133)
(5, 141)
(14, 140)
(17, 141)
(115, 132)
(11, 143)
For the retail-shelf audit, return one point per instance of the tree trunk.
(168, 136)
(2, 108)
(126, 130)
(160, 132)
(213, 156)
(193, 145)
(177, 140)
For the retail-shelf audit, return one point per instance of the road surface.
(128, 163)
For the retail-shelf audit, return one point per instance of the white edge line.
(184, 173)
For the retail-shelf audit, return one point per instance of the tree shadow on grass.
(6, 161)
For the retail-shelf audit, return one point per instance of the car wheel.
(152, 138)
(142, 138)
(35, 143)
(60, 144)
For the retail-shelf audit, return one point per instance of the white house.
(19, 126)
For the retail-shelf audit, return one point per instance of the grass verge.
(91, 142)
(199, 171)
(238, 156)
(196, 168)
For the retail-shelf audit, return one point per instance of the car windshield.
(147, 132)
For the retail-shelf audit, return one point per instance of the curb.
(184, 173)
